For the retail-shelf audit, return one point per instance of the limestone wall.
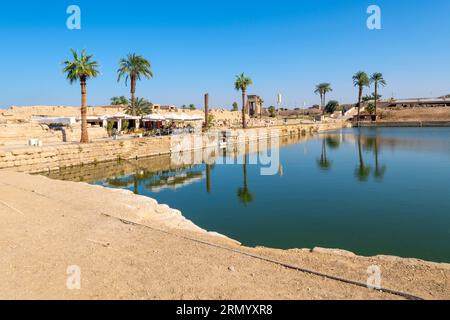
(32, 159)
(26, 113)
(48, 158)
(18, 133)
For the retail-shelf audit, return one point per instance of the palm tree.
(360, 80)
(141, 107)
(331, 106)
(322, 89)
(134, 67)
(119, 101)
(241, 84)
(377, 79)
(81, 68)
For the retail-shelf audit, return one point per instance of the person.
(114, 133)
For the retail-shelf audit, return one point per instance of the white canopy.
(154, 117)
(121, 115)
(176, 117)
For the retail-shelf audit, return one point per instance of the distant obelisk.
(206, 109)
(279, 100)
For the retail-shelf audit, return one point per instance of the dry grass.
(415, 114)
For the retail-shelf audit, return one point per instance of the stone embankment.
(49, 158)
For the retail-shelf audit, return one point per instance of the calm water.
(370, 191)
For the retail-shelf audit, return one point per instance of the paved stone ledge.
(50, 158)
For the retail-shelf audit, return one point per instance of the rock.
(231, 269)
(333, 251)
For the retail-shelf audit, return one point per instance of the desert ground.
(415, 114)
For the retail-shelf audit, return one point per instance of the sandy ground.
(47, 226)
(415, 114)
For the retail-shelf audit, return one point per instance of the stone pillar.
(206, 109)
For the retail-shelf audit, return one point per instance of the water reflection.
(323, 162)
(289, 210)
(366, 143)
(244, 194)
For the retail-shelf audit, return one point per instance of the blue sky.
(199, 46)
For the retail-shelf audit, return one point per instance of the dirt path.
(47, 226)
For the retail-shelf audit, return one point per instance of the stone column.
(206, 109)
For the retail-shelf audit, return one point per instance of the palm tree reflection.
(379, 171)
(244, 195)
(323, 162)
(362, 172)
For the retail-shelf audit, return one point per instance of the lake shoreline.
(52, 211)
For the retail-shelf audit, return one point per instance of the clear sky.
(199, 46)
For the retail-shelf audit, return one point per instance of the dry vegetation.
(416, 114)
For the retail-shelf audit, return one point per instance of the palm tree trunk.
(359, 102)
(133, 92)
(323, 103)
(84, 132)
(376, 99)
(244, 124)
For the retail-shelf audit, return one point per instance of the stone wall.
(48, 158)
(34, 159)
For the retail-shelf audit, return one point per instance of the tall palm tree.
(81, 68)
(241, 84)
(134, 67)
(360, 80)
(322, 89)
(377, 79)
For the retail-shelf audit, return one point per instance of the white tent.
(154, 117)
(175, 117)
